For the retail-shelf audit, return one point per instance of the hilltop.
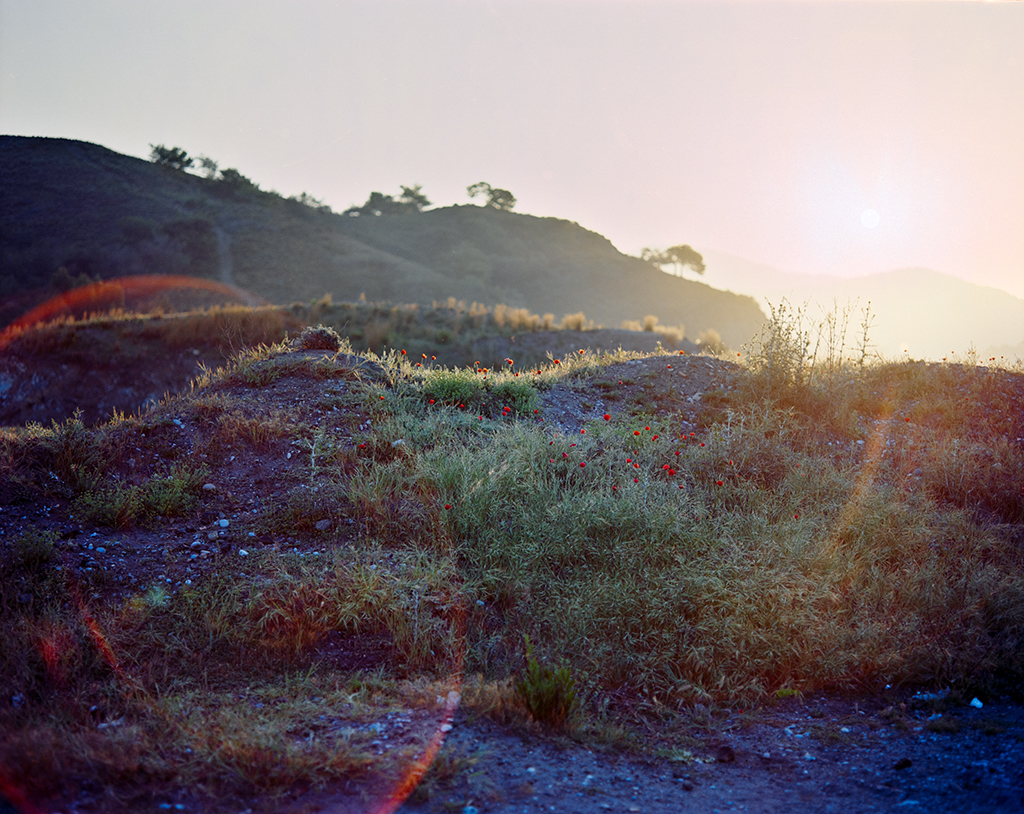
(79, 206)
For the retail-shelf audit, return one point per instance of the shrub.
(318, 338)
(549, 694)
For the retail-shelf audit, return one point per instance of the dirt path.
(819, 755)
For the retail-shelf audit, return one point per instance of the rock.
(725, 754)
(903, 763)
(209, 487)
(323, 525)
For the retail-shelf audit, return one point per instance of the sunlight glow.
(870, 218)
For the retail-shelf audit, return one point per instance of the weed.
(549, 694)
(120, 505)
(34, 548)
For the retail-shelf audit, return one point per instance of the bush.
(319, 338)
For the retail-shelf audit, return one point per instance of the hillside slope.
(96, 212)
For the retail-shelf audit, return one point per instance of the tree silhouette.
(412, 199)
(173, 157)
(496, 198)
(679, 257)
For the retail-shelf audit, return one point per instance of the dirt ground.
(815, 755)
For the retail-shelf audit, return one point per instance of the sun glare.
(869, 218)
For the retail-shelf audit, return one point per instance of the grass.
(836, 524)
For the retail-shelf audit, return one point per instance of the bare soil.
(824, 754)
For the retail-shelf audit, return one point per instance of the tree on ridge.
(496, 198)
(679, 257)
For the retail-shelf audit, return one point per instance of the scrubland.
(837, 524)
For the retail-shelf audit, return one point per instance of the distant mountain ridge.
(923, 312)
(83, 207)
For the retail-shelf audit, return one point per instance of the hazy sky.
(820, 137)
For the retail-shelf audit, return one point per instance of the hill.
(79, 206)
(946, 315)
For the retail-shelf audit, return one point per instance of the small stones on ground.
(209, 487)
(323, 525)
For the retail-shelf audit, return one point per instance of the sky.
(818, 137)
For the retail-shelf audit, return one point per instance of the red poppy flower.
(557, 362)
(447, 505)
(431, 401)
(423, 355)
(654, 437)
(796, 516)
(702, 443)
(629, 460)
(671, 472)
(636, 480)
(582, 464)
(565, 454)
(607, 417)
(615, 488)
(677, 452)
(403, 351)
(647, 428)
(636, 432)
(720, 483)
